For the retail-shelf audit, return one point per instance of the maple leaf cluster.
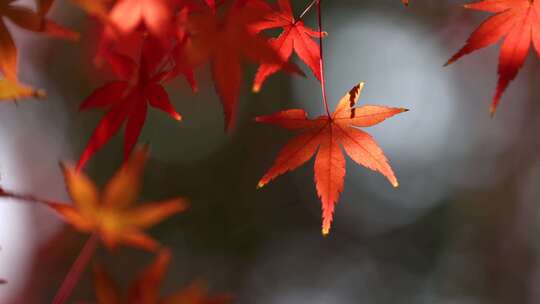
(168, 39)
(175, 38)
(110, 218)
(148, 43)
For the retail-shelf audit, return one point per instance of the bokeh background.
(461, 228)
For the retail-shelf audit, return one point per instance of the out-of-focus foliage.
(145, 288)
(107, 213)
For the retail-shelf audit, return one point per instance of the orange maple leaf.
(12, 90)
(519, 21)
(145, 288)
(34, 21)
(326, 134)
(406, 2)
(225, 40)
(108, 213)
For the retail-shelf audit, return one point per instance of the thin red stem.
(24, 197)
(21, 197)
(321, 60)
(77, 269)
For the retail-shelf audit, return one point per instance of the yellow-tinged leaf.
(11, 90)
(108, 215)
(349, 101)
(124, 187)
(152, 213)
(73, 217)
(139, 239)
(82, 190)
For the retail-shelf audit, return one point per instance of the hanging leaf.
(294, 37)
(326, 136)
(127, 99)
(518, 23)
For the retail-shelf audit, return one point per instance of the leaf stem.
(307, 9)
(321, 60)
(77, 269)
(23, 197)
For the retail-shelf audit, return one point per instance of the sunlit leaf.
(325, 136)
(518, 22)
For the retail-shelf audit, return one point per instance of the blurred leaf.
(29, 20)
(12, 90)
(145, 288)
(108, 213)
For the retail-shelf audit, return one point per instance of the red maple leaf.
(224, 40)
(128, 98)
(325, 135)
(145, 288)
(519, 23)
(295, 36)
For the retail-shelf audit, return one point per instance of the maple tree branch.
(77, 269)
(321, 60)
